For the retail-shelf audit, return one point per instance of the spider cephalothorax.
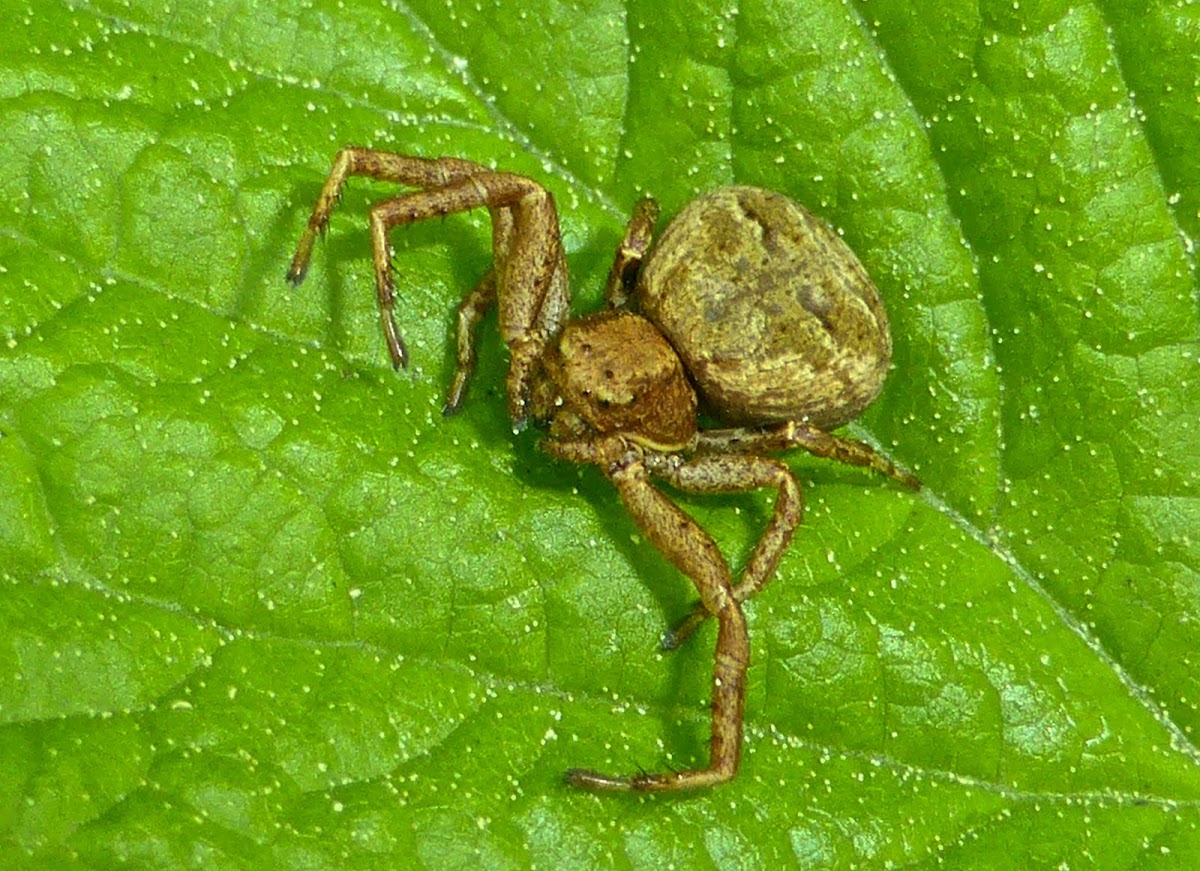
(749, 306)
(614, 373)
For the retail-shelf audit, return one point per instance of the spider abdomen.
(771, 312)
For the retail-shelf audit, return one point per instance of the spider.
(748, 307)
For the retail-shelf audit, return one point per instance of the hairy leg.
(529, 278)
(729, 473)
(694, 553)
(797, 435)
(474, 306)
(529, 275)
(628, 260)
(419, 172)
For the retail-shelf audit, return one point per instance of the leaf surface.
(265, 607)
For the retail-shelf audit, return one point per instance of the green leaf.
(264, 607)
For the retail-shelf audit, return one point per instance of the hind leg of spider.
(784, 436)
(692, 550)
(729, 473)
(739, 442)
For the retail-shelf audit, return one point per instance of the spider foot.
(395, 344)
(299, 265)
(585, 778)
(684, 629)
(304, 248)
(457, 393)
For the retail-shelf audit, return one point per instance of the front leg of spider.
(528, 281)
(402, 169)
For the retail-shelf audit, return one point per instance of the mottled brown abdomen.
(771, 312)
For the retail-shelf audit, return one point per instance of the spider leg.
(472, 309)
(535, 297)
(420, 172)
(694, 553)
(630, 253)
(792, 434)
(529, 275)
(729, 473)
(716, 444)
